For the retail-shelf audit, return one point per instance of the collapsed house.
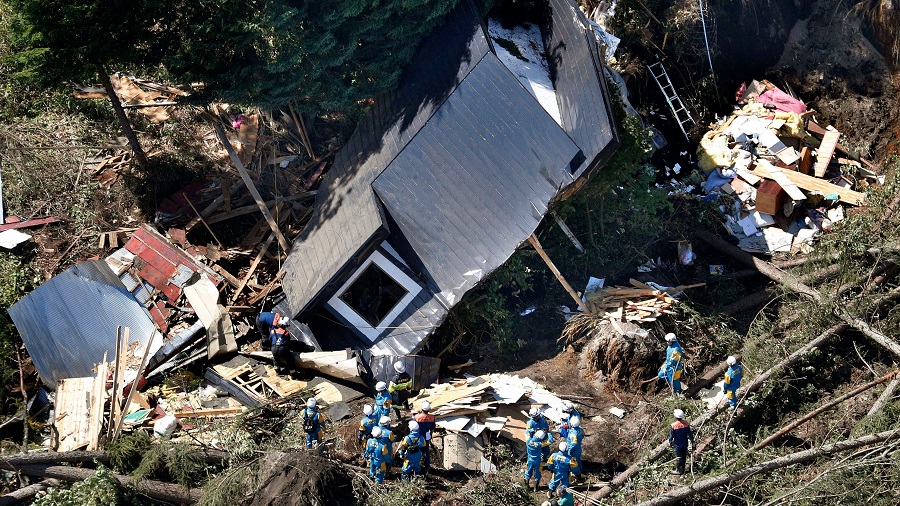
(442, 180)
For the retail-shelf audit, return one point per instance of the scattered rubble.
(774, 173)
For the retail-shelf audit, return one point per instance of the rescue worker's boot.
(679, 466)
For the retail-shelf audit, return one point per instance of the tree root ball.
(302, 478)
(629, 359)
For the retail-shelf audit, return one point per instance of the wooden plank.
(253, 208)
(826, 151)
(28, 223)
(282, 387)
(133, 389)
(121, 334)
(537, 246)
(227, 276)
(748, 176)
(200, 413)
(248, 182)
(778, 176)
(253, 267)
(98, 399)
(73, 408)
(810, 183)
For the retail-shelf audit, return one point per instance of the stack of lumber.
(456, 398)
(639, 302)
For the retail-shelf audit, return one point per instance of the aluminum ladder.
(682, 115)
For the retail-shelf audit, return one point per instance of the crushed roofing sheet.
(70, 321)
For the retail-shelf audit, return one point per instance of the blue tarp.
(70, 321)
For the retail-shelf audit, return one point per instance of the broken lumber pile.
(639, 302)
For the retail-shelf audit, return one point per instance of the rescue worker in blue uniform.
(382, 400)
(575, 439)
(534, 454)
(377, 455)
(561, 465)
(674, 365)
(387, 437)
(733, 377)
(313, 423)
(411, 451)
(537, 422)
(568, 412)
(368, 422)
(426, 426)
(274, 325)
(679, 435)
(400, 387)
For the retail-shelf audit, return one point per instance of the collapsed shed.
(442, 181)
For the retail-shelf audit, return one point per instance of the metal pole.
(705, 39)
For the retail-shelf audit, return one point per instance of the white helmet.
(670, 337)
(368, 410)
(380, 386)
(384, 421)
(679, 414)
(283, 322)
(311, 403)
(575, 421)
(399, 366)
(540, 435)
(561, 490)
(426, 406)
(568, 407)
(534, 412)
(376, 432)
(563, 446)
(731, 361)
(413, 426)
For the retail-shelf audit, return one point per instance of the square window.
(373, 295)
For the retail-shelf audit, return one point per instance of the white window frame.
(355, 319)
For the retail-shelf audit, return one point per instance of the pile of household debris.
(780, 177)
(469, 409)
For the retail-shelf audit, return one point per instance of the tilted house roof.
(459, 164)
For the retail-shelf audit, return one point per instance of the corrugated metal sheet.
(347, 215)
(477, 180)
(69, 321)
(579, 82)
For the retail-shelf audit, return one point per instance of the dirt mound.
(302, 478)
(627, 358)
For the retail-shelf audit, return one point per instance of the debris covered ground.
(198, 383)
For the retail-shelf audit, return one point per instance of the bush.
(101, 489)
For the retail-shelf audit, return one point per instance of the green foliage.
(503, 487)
(101, 489)
(125, 453)
(391, 493)
(227, 487)
(176, 461)
(57, 40)
(325, 55)
(16, 279)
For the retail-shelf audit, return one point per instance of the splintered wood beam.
(537, 246)
(566, 230)
(256, 261)
(248, 182)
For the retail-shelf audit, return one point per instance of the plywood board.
(283, 387)
(810, 183)
(826, 151)
(786, 184)
(462, 452)
(98, 399)
(73, 411)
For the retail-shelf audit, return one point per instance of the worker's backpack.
(309, 422)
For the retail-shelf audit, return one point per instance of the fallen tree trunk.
(825, 407)
(151, 488)
(680, 494)
(751, 301)
(708, 378)
(776, 274)
(884, 397)
(13, 462)
(27, 493)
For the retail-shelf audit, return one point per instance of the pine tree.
(59, 41)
